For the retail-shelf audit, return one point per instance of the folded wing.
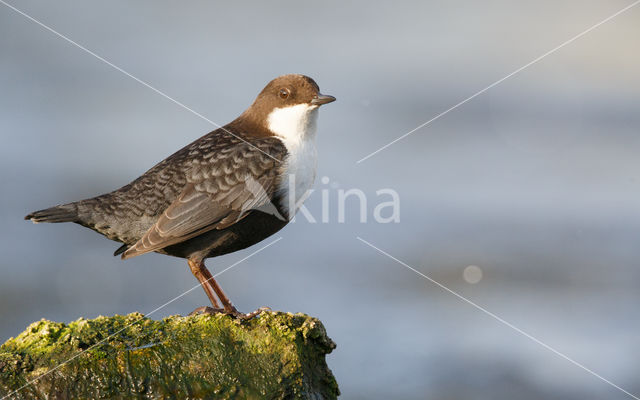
(220, 192)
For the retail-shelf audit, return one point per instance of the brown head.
(289, 99)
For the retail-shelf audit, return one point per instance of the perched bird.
(226, 191)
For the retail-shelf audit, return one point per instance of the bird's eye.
(283, 93)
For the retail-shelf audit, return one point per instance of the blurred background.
(535, 183)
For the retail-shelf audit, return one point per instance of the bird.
(226, 191)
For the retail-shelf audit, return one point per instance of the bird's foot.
(254, 313)
(231, 310)
(206, 310)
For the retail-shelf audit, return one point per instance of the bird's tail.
(62, 213)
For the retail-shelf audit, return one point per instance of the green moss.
(276, 355)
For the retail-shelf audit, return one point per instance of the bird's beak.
(321, 99)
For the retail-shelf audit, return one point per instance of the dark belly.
(250, 230)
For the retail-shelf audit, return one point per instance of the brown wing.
(220, 191)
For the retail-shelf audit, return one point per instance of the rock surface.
(275, 356)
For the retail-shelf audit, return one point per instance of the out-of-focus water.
(536, 181)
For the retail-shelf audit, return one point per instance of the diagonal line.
(135, 322)
(494, 316)
(158, 91)
(576, 37)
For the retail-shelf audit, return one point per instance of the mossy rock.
(273, 356)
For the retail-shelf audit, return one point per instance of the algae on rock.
(275, 355)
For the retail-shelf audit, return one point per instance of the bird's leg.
(228, 306)
(226, 303)
(201, 273)
(210, 286)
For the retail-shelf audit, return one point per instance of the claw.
(231, 311)
(256, 312)
(206, 310)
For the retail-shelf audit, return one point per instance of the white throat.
(293, 123)
(296, 127)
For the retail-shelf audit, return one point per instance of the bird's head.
(287, 106)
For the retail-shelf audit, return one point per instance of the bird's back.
(127, 213)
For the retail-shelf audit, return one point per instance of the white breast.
(296, 127)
